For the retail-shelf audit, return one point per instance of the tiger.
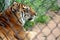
(12, 21)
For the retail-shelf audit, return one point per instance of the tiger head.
(23, 12)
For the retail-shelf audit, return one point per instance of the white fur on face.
(22, 20)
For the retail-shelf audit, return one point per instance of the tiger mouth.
(30, 18)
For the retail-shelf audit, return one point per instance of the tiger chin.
(12, 21)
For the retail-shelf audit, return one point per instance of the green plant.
(2, 5)
(18, 1)
(28, 24)
(42, 19)
(55, 7)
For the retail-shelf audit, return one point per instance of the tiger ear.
(14, 7)
(15, 3)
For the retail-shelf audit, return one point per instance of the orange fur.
(10, 27)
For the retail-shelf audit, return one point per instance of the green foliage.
(42, 19)
(55, 7)
(1, 5)
(28, 24)
(18, 1)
